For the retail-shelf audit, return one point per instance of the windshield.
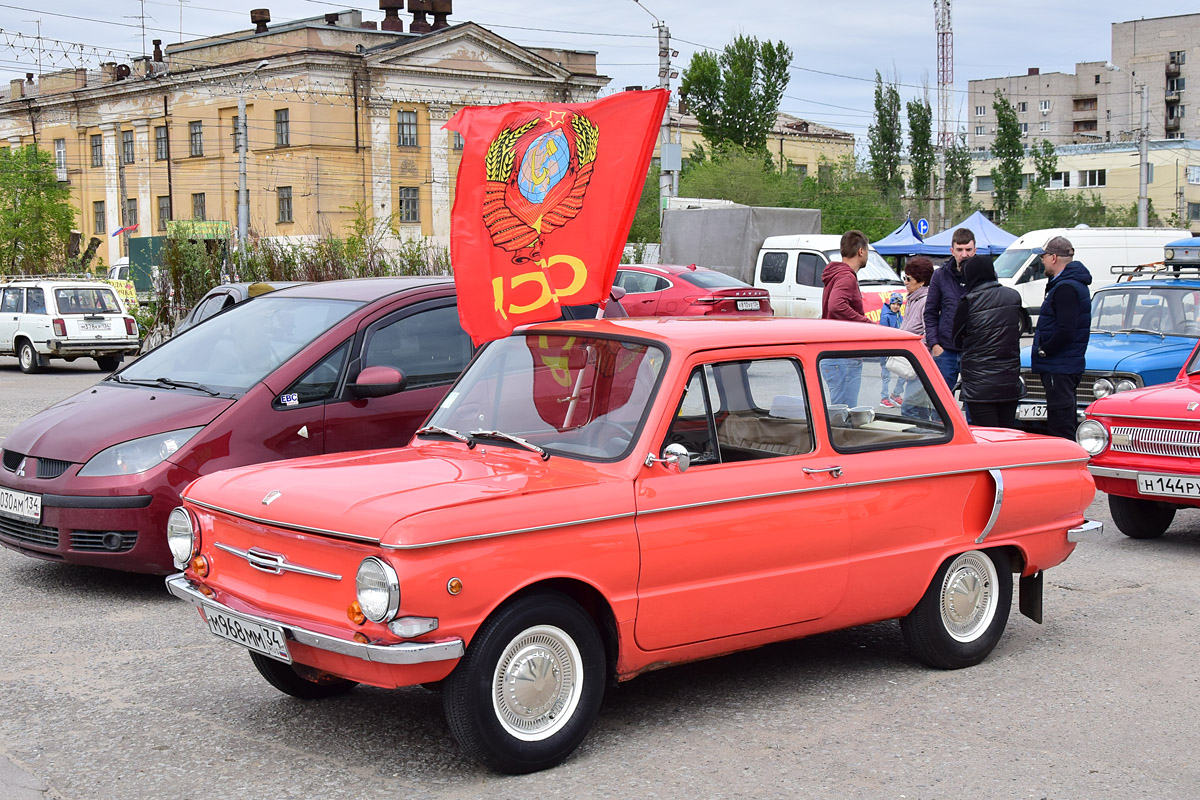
(876, 271)
(1171, 312)
(580, 396)
(1009, 262)
(231, 352)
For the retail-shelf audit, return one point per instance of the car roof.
(75, 282)
(364, 289)
(706, 333)
(1150, 281)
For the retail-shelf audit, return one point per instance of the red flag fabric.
(576, 381)
(545, 196)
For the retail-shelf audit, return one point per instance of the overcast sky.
(837, 47)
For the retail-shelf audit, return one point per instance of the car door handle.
(834, 472)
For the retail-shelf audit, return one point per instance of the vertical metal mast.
(945, 76)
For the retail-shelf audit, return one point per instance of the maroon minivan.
(91, 479)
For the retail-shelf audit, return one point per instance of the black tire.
(962, 614)
(30, 362)
(108, 363)
(300, 681)
(529, 687)
(1138, 518)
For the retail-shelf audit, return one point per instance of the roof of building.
(785, 124)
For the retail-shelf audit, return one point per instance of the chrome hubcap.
(968, 598)
(537, 683)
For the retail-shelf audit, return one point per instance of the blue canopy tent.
(904, 241)
(989, 239)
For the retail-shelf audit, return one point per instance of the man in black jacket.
(1061, 339)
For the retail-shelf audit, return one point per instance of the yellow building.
(794, 143)
(341, 115)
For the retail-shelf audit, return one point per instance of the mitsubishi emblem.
(271, 497)
(21, 469)
(1191, 407)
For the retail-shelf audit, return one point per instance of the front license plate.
(1169, 485)
(265, 639)
(1031, 412)
(20, 505)
(93, 326)
(747, 305)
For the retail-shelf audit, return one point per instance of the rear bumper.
(1088, 530)
(100, 347)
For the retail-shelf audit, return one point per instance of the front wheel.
(1141, 519)
(298, 680)
(962, 614)
(29, 359)
(529, 688)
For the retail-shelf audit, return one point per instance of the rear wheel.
(1138, 518)
(108, 363)
(300, 681)
(959, 620)
(29, 358)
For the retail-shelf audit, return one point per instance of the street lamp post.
(1143, 203)
(243, 208)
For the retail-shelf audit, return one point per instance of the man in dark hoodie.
(1061, 338)
(842, 300)
(945, 290)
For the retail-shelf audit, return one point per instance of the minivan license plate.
(20, 505)
(747, 305)
(265, 639)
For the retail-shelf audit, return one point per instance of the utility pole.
(945, 52)
(243, 209)
(1143, 210)
(670, 156)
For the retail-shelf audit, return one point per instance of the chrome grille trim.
(93, 541)
(1171, 442)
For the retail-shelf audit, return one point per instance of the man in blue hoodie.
(1061, 338)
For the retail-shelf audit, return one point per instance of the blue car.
(1143, 329)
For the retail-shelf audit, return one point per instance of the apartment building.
(1101, 100)
(342, 114)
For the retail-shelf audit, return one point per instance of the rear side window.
(35, 301)
(809, 267)
(774, 267)
(11, 302)
(212, 305)
(711, 279)
(640, 282)
(852, 383)
(89, 300)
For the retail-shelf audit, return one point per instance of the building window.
(282, 134)
(126, 147)
(1175, 135)
(406, 129)
(410, 210)
(164, 211)
(1092, 177)
(1085, 104)
(1177, 57)
(1097, 79)
(97, 150)
(1045, 125)
(979, 129)
(198, 206)
(458, 141)
(980, 110)
(1022, 107)
(1044, 106)
(99, 222)
(1084, 125)
(285, 203)
(161, 152)
(983, 183)
(130, 212)
(1175, 112)
(1060, 180)
(196, 139)
(1024, 128)
(1193, 174)
(1193, 212)
(1176, 85)
(60, 159)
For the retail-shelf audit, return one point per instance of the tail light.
(60, 328)
(131, 326)
(707, 301)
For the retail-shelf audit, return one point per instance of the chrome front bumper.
(1085, 531)
(404, 653)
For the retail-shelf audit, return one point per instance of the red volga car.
(596, 499)
(1145, 448)
(662, 290)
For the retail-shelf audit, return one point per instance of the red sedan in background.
(664, 290)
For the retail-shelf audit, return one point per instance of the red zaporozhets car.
(1145, 448)
(663, 290)
(597, 499)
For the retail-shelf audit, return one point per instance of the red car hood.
(427, 492)
(77, 428)
(1168, 400)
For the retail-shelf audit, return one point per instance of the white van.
(790, 267)
(1098, 249)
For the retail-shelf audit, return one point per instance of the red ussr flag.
(545, 196)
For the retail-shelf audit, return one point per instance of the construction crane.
(945, 76)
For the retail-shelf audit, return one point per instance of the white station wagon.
(67, 318)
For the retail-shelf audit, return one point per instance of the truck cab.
(790, 267)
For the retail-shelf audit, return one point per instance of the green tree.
(1009, 153)
(921, 156)
(741, 176)
(958, 179)
(645, 227)
(846, 195)
(735, 95)
(36, 216)
(886, 139)
(1045, 164)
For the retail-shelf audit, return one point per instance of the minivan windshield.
(875, 272)
(1009, 262)
(232, 351)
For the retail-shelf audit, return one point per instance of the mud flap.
(1031, 596)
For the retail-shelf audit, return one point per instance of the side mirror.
(378, 382)
(675, 454)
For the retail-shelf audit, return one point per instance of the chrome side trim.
(506, 533)
(273, 563)
(998, 477)
(1088, 527)
(285, 525)
(1112, 472)
(403, 653)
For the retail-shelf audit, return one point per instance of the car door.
(12, 304)
(426, 342)
(754, 535)
(643, 292)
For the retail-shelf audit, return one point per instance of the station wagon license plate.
(266, 639)
(747, 305)
(20, 505)
(1032, 411)
(94, 326)
(1169, 485)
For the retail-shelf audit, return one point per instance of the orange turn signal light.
(355, 613)
(204, 590)
(361, 638)
(200, 566)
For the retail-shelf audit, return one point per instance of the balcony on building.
(1172, 124)
(1172, 69)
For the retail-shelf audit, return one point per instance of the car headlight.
(1169, 253)
(1125, 385)
(1102, 388)
(181, 536)
(137, 455)
(1092, 436)
(377, 588)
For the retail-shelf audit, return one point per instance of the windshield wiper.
(1159, 334)
(508, 437)
(1102, 330)
(446, 431)
(167, 383)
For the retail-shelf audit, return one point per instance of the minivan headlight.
(137, 455)
(181, 536)
(1092, 436)
(377, 589)
(1102, 388)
